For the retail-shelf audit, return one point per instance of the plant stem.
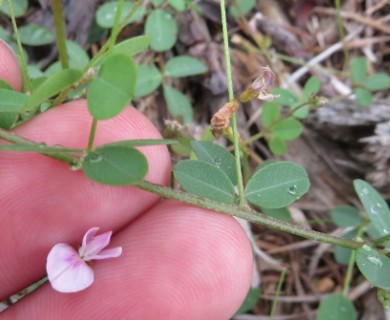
(60, 155)
(116, 28)
(236, 144)
(58, 13)
(351, 264)
(23, 65)
(92, 133)
(247, 214)
(277, 294)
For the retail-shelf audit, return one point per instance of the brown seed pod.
(220, 120)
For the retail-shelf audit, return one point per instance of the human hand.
(178, 261)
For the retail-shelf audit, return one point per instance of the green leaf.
(363, 97)
(244, 7)
(378, 81)
(19, 6)
(8, 119)
(376, 208)
(286, 98)
(133, 45)
(277, 185)
(157, 2)
(346, 216)
(11, 101)
(179, 5)
(287, 129)
(149, 79)
(111, 91)
(115, 165)
(270, 113)
(52, 86)
(178, 104)
(217, 156)
(184, 66)
(182, 147)
(78, 59)
(312, 87)
(34, 71)
(35, 35)
(280, 213)
(105, 15)
(162, 27)
(5, 85)
(336, 306)
(141, 142)
(341, 254)
(374, 266)
(204, 180)
(250, 301)
(358, 67)
(277, 146)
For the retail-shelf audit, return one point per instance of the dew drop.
(374, 210)
(366, 247)
(293, 190)
(217, 161)
(379, 205)
(364, 192)
(376, 261)
(385, 231)
(94, 157)
(343, 309)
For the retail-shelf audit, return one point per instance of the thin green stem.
(23, 64)
(116, 28)
(236, 145)
(261, 134)
(60, 155)
(351, 264)
(381, 240)
(247, 214)
(277, 294)
(92, 133)
(58, 14)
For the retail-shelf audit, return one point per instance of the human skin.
(178, 261)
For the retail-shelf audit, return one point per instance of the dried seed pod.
(220, 120)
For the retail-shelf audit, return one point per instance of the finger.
(178, 262)
(43, 201)
(9, 69)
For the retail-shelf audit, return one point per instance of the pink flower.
(68, 270)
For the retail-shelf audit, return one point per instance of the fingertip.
(9, 68)
(178, 262)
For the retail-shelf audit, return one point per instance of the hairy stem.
(58, 13)
(236, 144)
(23, 64)
(247, 214)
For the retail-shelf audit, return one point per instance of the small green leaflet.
(376, 208)
(374, 266)
(217, 156)
(115, 165)
(337, 307)
(111, 91)
(184, 66)
(204, 180)
(277, 185)
(162, 27)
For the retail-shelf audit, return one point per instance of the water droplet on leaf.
(293, 190)
(364, 192)
(374, 260)
(94, 157)
(217, 161)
